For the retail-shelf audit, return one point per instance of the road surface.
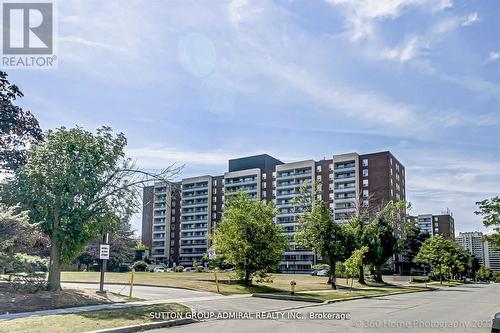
(468, 308)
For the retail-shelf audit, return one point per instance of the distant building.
(432, 225)
(491, 257)
(481, 249)
(473, 242)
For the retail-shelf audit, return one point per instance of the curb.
(145, 327)
(319, 301)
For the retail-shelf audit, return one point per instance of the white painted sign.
(211, 253)
(104, 251)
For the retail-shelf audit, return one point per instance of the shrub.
(123, 268)
(421, 279)
(199, 269)
(24, 263)
(320, 267)
(179, 268)
(140, 266)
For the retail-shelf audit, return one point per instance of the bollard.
(292, 287)
(132, 272)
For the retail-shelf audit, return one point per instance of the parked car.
(159, 270)
(169, 270)
(189, 269)
(315, 272)
(323, 272)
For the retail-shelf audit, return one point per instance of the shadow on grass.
(133, 313)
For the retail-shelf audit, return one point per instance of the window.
(214, 215)
(263, 176)
(318, 178)
(214, 207)
(365, 182)
(365, 162)
(318, 168)
(365, 172)
(215, 190)
(365, 193)
(214, 183)
(214, 199)
(263, 194)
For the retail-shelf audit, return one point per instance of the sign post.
(212, 256)
(104, 256)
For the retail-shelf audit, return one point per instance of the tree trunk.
(54, 283)
(332, 276)
(440, 277)
(352, 280)
(378, 274)
(361, 278)
(247, 278)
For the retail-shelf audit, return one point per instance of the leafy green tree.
(248, 238)
(484, 273)
(442, 255)
(17, 236)
(354, 231)
(318, 231)
(352, 264)
(122, 248)
(18, 128)
(379, 236)
(490, 210)
(411, 243)
(77, 185)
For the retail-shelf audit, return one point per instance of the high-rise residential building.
(177, 217)
(432, 225)
(483, 250)
(472, 242)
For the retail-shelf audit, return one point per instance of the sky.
(199, 82)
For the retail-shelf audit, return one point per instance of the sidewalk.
(110, 306)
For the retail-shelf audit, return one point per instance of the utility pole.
(104, 256)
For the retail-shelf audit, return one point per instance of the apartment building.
(491, 257)
(432, 225)
(477, 246)
(472, 242)
(347, 181)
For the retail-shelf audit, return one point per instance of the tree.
(318, 231)
(122, 248)
(78, 185)
(354, 233)
(442, 255)
(17, 236)
(18, 128)
(411, 243)
(490, 210)
(248, 238)
(484, 273)
(380, 238)
(352, 264)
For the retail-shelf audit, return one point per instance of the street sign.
(104, 251)
(211, 253)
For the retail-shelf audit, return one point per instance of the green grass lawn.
(87, 321)
(227, 282)
(368, 291)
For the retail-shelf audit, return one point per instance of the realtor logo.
(28, 34)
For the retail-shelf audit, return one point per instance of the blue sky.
(194, 83)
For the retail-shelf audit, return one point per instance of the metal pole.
(105, 240)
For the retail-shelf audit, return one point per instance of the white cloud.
(403, 53)
(361, 15)
(471, 19)
(493, 56)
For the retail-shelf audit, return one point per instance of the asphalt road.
(459, 309)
